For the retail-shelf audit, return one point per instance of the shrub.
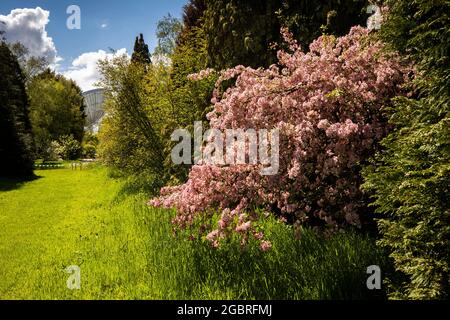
(52, 153)
(328, 105)
(68, 148)
(89, 151)
(90, 143)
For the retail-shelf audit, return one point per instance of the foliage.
(53, 153)
(193, 13)
(307, 19)
(191, 100)
(31, 66)
(67, 147)
(16, 140)
(56, 110)
(328, 105)
(242, 32)
(167, 33)
(145, 105)
(410, 179)
(90, 144)
(89, 151)
(130, 139)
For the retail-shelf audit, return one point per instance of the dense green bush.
(90, 144)
(89, 151)
(411, 178)
(67, 148)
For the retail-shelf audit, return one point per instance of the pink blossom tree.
(329, 106)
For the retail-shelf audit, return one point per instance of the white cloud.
(104, 25)
(84, 69)
(28, 27)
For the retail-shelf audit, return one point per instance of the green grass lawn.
(125, 250)
(70, 218)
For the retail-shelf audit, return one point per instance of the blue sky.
(104, 24)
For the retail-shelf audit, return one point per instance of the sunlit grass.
(126, 250)
(70, 218)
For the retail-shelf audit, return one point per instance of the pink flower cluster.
(201, 75)
(329, 107)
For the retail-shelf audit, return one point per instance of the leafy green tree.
(16, 140)
(130, 138)
(57, 109)
(193, 13)
(145, 105)
(240, 32)
(411, 178)
(31, 66)
(167, 33)
(193, 17)
(190, 54)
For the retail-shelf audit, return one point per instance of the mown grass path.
(70, 218)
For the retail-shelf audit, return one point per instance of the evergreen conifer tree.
(16, 142)
(141, 54)
(411, 178)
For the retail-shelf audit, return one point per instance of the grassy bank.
(125, 250)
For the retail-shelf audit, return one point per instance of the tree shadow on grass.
(9, 184)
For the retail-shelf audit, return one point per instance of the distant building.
(94, 100)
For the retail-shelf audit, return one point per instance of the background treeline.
(43, 113)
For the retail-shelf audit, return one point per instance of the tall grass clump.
(312, 267)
